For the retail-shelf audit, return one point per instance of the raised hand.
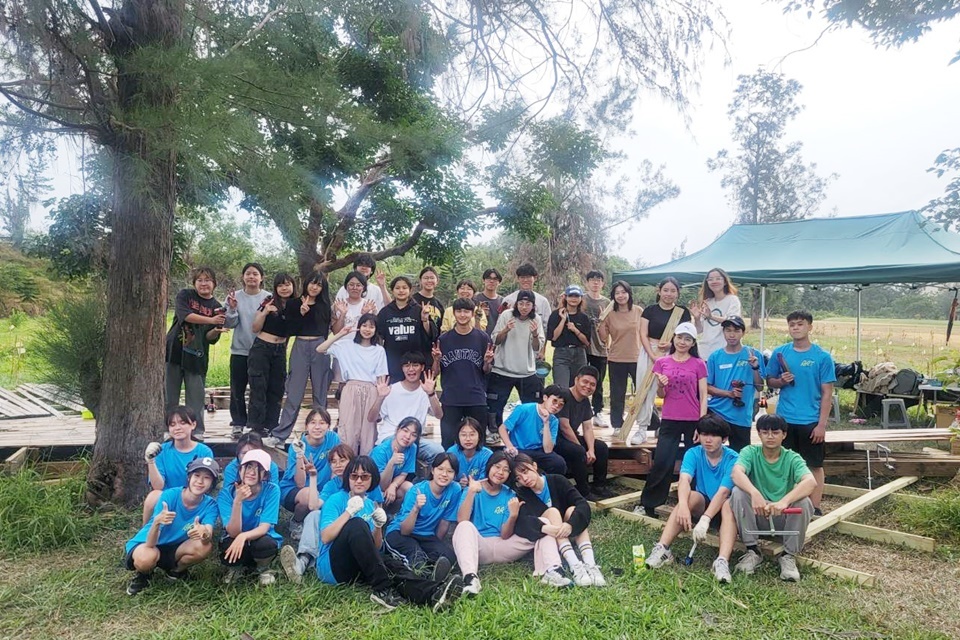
(383, 386)
(425, 311)
(166, 516)
(662, 379)
(397, 459)
(152, 451)
(369, 307)
(243, 493)
(304, 305)
(379, 517)
(753, 361)
(381, 278)
(473, 485)
(354, 505)
(488, 356)
(435, 351)
(310, 468)
(513, 506)
(429, 384)
(339, 309)
(270, 308)
(420, 501)
(194, 532)
(232, 299)
(534, 328)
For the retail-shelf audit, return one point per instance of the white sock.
(586, 552)
(566, 550)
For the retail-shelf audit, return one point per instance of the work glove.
(700, 531)
(379, 517)
(354, 505)
(152, 451)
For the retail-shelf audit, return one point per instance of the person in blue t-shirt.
(167, 462)
(734, 375)
(805, 374)
(703, 493)
(339, 457)
(396, 459)
(249, 511)
(179, 533)
(247, 442)
(471, 452)
(532, 428)
(417, 535)
(305, 455)
(351, 534)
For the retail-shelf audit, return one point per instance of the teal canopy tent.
(877, 249)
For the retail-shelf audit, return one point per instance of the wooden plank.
(841, 491)
(57, 396)
(23, 403)
(15, 462)
(855, 506)
(866, 579)
(638, 517)
(626, 498)
(887, 536)
(632, 483)
(39, 402)
(914, 466)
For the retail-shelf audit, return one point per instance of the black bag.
(848, 375)
(906, 383)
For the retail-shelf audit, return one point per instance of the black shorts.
(168, 557)
(715, 520)
(290, 500)
(798, 439)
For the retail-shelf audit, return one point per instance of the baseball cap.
(207, 464)
(259, 456)
(574, 290)
(687, 328)
(526, 295)
(735, 321)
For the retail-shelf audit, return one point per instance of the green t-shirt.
(772, 480)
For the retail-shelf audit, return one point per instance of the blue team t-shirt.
(544, 494)
(432, 512)
(317, 455)
(525, 427)
(232, 473)
(263, 508)
(474, 468)
(489, 512)
(335, 484)
(331, 510)
(708, 479)
(722, 369)
(800, 403)
(176, 531)
(382, 453)
(172, 464)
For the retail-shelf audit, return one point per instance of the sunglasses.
(360, 476)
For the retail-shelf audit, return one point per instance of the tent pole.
(859, 299)
(763, 314)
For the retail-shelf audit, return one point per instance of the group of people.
(390, 346)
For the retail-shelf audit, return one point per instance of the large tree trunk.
(755, 308)
(145, 193)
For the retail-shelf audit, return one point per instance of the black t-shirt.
(279, 323)
(569, 338)
(493, 313)
(402, 331)
(659, 318)
(461, 368)
(315, 323)
(576, 411)
(187, 343)
(437, 314)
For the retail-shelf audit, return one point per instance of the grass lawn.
(79, 593)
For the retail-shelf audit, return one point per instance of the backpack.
(906, 383)
(848, 375)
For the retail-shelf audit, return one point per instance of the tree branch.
(329, 264)
(45, 116)
(259, 26)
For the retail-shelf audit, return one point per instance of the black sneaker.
(603, 490)
(817, 513)
(441, 569)
(174, 575)
(140, 582)
(389, 599)
(448, 593)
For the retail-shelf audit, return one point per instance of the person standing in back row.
(489, 300)
(241, 309)
(594, 304)
(718, 301)
(526, 277)
(366, 266)
(620, 327)
(405, 326)
(569, 329)
(426, 296)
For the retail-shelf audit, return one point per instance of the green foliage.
(19, 280)
(75, 241)
(946, 208)
(72, 346)
(939, 518)
(40, 518)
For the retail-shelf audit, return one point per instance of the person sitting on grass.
(180, 531)
(485, 533)
(167, 463)
(310, 449)
(532, 429)
(249, 511)
(396, 460)
(551, 506)
(470, 452)
(702, 495)
(351, 534)
(770, 478)
(247, 442)
(417, 536)
(339, 457)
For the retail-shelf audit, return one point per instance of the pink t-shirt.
(681, 400)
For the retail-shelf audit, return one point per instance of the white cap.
(688, 328)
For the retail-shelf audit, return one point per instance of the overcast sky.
(876, 117)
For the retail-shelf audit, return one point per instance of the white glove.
(152, 451)
(298, 447)
(379, 517)
(354, 505)
(700, 531)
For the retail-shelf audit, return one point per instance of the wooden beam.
(626, 498)
(855, 506)
(632, 483)
(887, 536)
(841, 491)
(638, 517)
(19, 459)
(866, 579)
(38, 401)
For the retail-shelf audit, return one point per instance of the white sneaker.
(471, 584)
(295, 529)
(270, 441)
(749, 562)
(659, 556)
(596, 576)
(554, 578)
(788, 568)
(581, 576)
(266, 578)
(600, 421)
(232, 575)
(721, 571)
(639, 437)
(292, 564)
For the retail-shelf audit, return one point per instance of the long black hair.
(322, 302)
(278, 280)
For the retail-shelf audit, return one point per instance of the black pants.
(575, 456)
(600, 362)
(500, 387)
(551, 462)
(416, 551)
(238, 390)
(619, 372)
(657, 488)
(739, 437)
(267, 368)
(259, 552)
(354, 556)
(450, 422)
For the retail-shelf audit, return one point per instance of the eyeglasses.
(360, 476)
